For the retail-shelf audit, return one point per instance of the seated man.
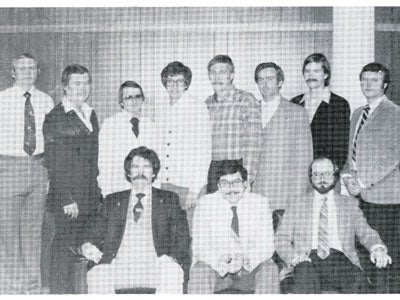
(316, 238)
(142, 233)
(233, 238)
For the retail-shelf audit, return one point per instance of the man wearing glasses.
(119, 134)
(316, 238)
(233, 238)
(184, 135)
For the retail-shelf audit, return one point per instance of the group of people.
(279, 188)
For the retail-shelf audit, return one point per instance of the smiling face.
(372, 85)
(25, 72)
(268, 84)
(133, 100)
(232, 187)
(141, 173)
(175, 86)
(221, 77)
(314, 75)
(77, 90)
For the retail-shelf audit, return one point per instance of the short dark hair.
(221, 59)
(73, 69)
(228, 167)
(377, 67)
(131, 84)
(22, 56)
(176, 68)
(280, 76)
(319, 58)
(147, 154)
(336, 169)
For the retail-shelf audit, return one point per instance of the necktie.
(364, 117)
(323, 243)
(135, 126)
(29, 126)
(138, 208)
(235, 220)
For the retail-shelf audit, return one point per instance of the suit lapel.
(379, 111)
(342, 223)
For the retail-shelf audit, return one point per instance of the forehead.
(231, 177)
(314, 66)
(24, 61)
(322, 166)
(140, 161)
(127, 91)
(220, 66)
(373, 75)
(267, 72)
(79, 77)
(176, 77)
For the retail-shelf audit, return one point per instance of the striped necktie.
(323, 242)
(364, 117)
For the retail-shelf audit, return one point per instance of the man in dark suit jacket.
(329, 114)
(70, 152)
(316, 238)
(142, 233)
(372, 170)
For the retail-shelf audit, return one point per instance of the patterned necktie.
(323, 243)
(235, 220)
(29, 126)
(135, 126)
(138, 208)
(364, 117)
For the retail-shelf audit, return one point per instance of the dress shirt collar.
(319, 197)
(147, 191)
(127, 115)
(324, 95)
(85, 108)
(21, 91)
(228, 97)
(376, 103)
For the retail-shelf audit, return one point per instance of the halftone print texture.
(135, 44)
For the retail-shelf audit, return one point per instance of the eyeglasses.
(227, 184)
(220, 72)
(178, 82)
(322, 174)
(137, 98)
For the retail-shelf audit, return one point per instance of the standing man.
(286, 150)
(372, 169)
(184, 135)
(71, 152)
(233, 238)
(23, 179)
(328, 113)
(141, 238)
(316, 238)
(119, 134)
(235, 120)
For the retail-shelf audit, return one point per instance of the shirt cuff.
(376, 246)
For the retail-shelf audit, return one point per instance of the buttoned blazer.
(294, 235)
(285, 155)
(378, 153)
(169, 226)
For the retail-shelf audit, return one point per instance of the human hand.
(300, 259)
(222, 265)
(91, 252)
(71, 210)
(352, 185)
(380, 258)
(236, 263)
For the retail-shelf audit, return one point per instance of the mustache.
(232, 193)
(139, 177)
(311, 80)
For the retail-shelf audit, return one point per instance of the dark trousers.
(68, 233)
(336, 272)
(214, 173)
(385, 219)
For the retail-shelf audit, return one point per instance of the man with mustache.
(328, 113)
(141, 238)
(233, 238)
(316, 238)
(235, 122)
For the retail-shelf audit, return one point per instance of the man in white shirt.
(184, 135)
(233, 238)
(316, 238)
(23, 179)
(142, 233)
(119, 134)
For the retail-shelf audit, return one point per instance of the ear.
(232, 76)
(385, 85)
(280, 83)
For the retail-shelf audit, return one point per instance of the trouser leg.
(267, 278)
(202, 279)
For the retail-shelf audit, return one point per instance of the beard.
(323, 187)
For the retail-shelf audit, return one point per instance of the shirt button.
(166, 168)
(167, 155)
(170, 131)
(168, 144)
(167, 179)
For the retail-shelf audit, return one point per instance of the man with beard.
(233, 238)
(316, 238)
(141, 238)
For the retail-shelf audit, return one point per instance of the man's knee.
(267, 278)
(202, 279)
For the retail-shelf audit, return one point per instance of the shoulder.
(112, 120)
(166, 196)
(210, 100)
(115, 198)
(8, 91)
(297, 99)
(246, 98)
(291, 107)
(257, 201)
(338, 100)
(43, 94)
